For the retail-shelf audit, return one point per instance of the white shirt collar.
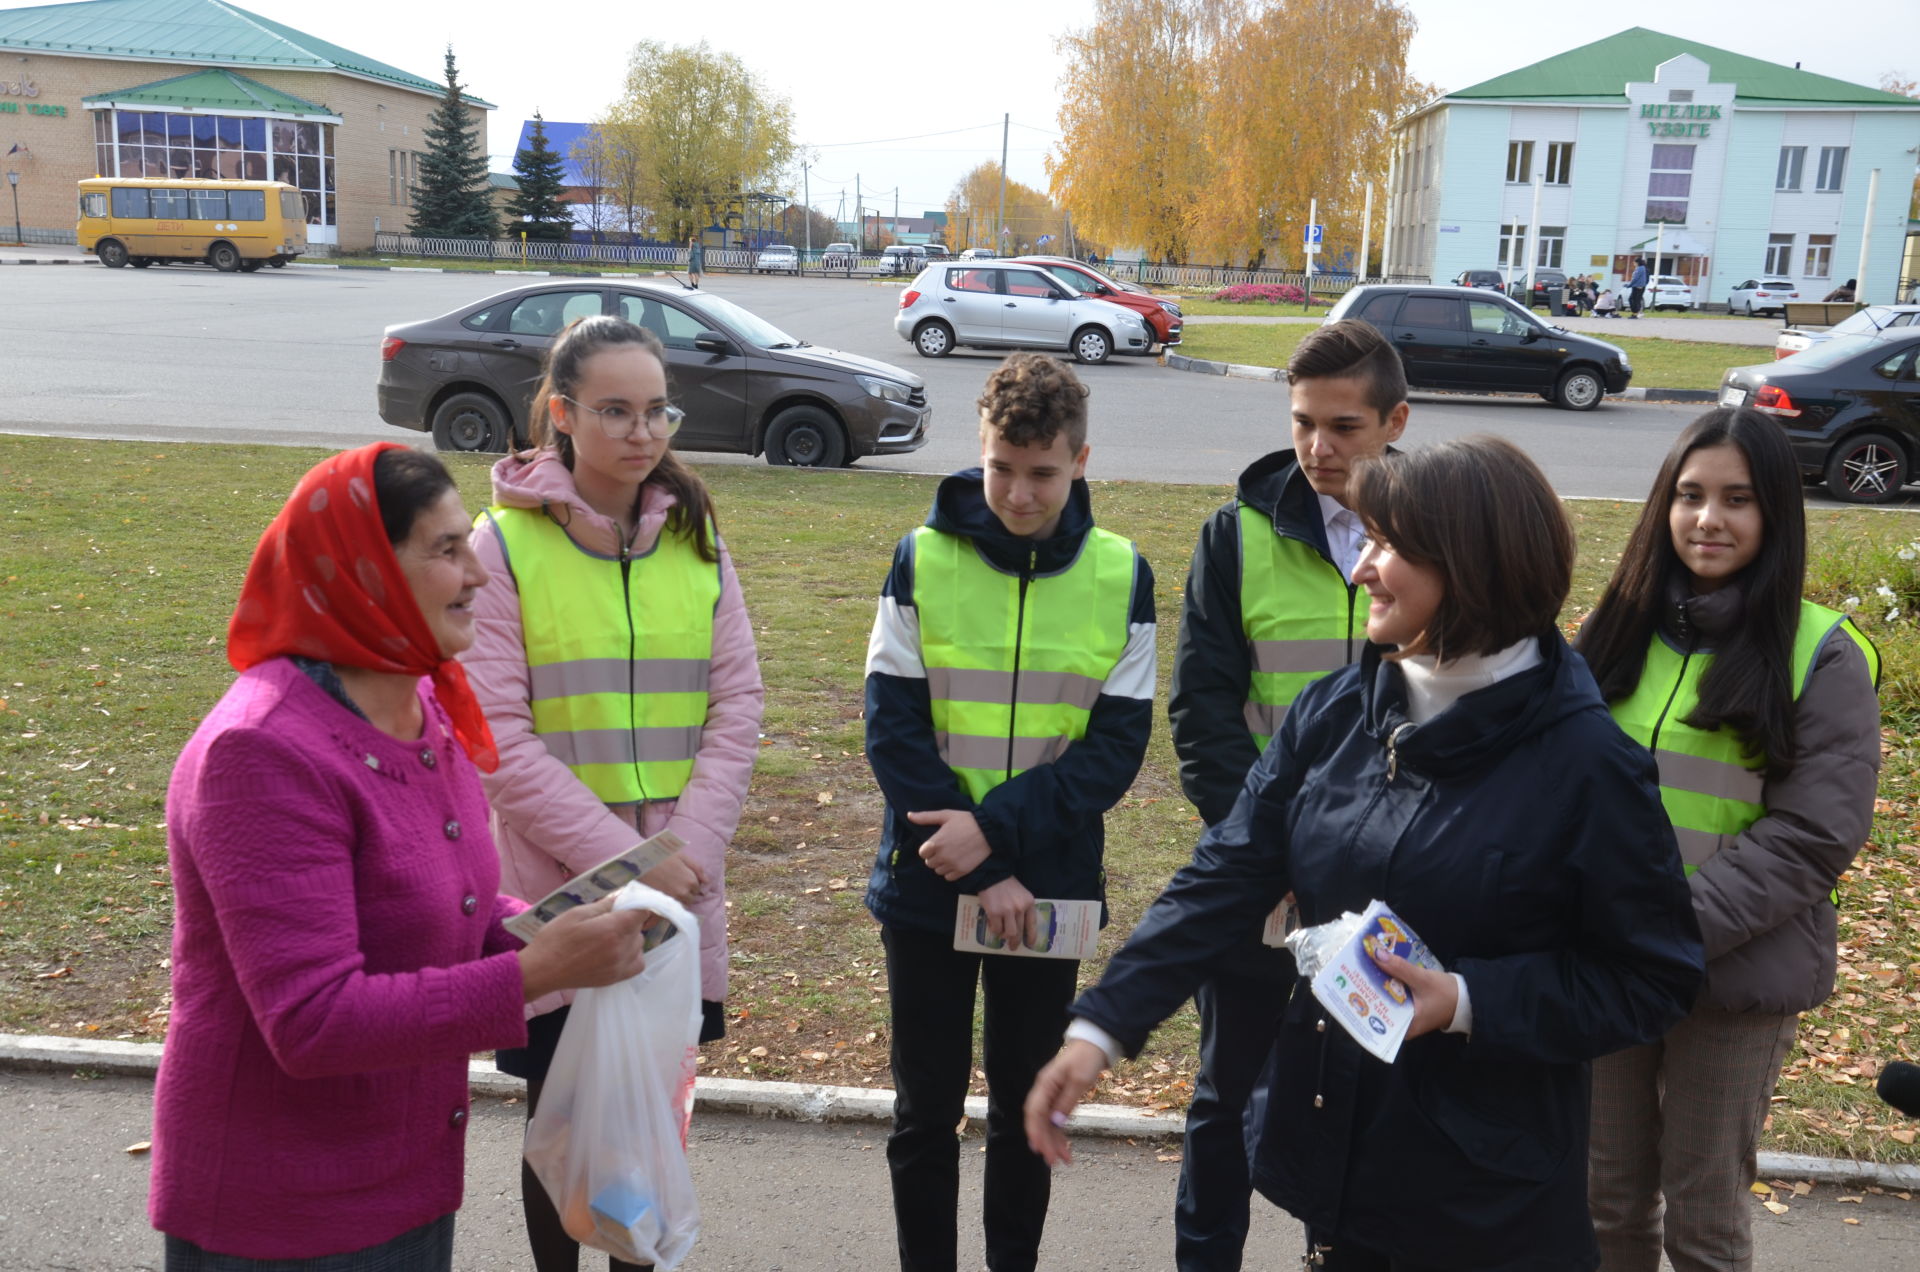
(1345, 533)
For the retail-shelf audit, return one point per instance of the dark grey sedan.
(747, 387)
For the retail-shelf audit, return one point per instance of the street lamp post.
(13, 181)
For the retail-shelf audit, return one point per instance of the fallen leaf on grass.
(141, 1147)
(1167, 1157)
(758, 1053)
(824, 797)
(55, 975)
(1903, 1135)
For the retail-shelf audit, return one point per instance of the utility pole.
(1386, 236)
(860, 221)
(1866, 238)
(806, 209)
(1000, 231)
(1366, 235)
(1313, 219)
(1533, 242)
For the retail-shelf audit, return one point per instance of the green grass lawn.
(469, 265)
(1660, 364)
(116, 647)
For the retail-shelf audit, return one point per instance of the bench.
(1819, 313)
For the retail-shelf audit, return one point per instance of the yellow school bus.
(231, 225)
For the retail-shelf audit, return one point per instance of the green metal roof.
(503, 181)
(1600, 71)
(211, 90)
(190, 31)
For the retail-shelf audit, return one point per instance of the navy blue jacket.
(1521, 835)
(1044, 826)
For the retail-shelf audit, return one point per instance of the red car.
(1162, 317)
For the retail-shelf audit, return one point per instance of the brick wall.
(375, 118)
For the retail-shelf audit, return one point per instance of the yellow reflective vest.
(1712, 787)
(1015, 662)
(1301, 617)
(618, 653)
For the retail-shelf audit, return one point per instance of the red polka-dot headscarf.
(325, 583)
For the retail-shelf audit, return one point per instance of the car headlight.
(1129, 318)
(1171, 308)
(885, 390)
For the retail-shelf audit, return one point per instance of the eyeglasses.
(618, 422)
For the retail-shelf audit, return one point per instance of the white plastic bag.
(609, 1141)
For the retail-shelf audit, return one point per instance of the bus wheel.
(112, 253)
(140, 262)
(251, 267)
(278, 262)
(224, 257)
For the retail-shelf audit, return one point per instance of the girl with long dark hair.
(1760, 708)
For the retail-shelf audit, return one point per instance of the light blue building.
(1739, 169)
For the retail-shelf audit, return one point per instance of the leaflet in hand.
(1371, 1005)
(604, 879)
(1065, 929)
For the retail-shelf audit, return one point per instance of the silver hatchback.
(1008, 305)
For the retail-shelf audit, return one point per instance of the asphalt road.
(775, 1197)
(291, 357)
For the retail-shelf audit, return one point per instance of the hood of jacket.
(960, 507)
(1482, 725)
(539, 480)
(1689, 620)
(1275, 486)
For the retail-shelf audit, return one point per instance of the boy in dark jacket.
(1269, 609)
(1010, 683)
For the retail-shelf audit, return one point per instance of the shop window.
(180, 130)
(253, 132)
(1553, 240)
(1560, 163)
(1779, 255)
(1669, 185)
(1793, 161)
(1833, 169)
(1519, 163)
(1819, 256)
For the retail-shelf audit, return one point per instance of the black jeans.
(1635, 298)
(1239, 1019)
(931, 988)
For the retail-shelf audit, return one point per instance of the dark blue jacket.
(1521, 834)
(1044, 825)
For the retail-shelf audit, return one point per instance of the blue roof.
(562, 138)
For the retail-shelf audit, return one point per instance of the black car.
(1464, 339)
(1850, 407)
(1488, 278)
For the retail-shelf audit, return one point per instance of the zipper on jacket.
(1393, 749)
(1653, 743)
(1019, 634)
(1320, 1070)
(626, 608)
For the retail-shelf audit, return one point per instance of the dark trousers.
(931, 989)
(1239, 1019)
(1635, 298)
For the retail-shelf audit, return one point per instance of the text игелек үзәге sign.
(1671, 119)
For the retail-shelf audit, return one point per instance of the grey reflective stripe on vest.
(611, 675)
(1263, 718)
(1299, 655)
(623, 746)
(1697, 845)
(1037, 688)
(975, 751)
(1716, 778)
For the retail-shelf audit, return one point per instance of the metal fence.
(30, 234)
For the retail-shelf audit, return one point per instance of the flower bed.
(1261, 294)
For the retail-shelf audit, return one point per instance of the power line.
(879, 141)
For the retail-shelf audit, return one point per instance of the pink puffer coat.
(548, 826)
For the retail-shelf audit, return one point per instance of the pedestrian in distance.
(338, 948)
(696, 260)
(1466, 773)
(616, 664)
(1637, 287)
(1271, 606)
(1760, 708)
(1606, 304)
(1010, 684)
(1844, 292)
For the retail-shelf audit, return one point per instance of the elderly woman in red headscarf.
(338, 949)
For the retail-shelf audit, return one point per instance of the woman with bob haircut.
(1760, 710)
(1466, 773)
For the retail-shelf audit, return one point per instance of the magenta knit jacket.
(337, 955)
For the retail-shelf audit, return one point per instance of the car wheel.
(1092, 346)
(140, 262)
(224, 257)
(933, 339)
(1867, 468)
(470, 422)
(806, 437)
(112, 253)
(1578, 390)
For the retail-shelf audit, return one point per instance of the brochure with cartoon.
(609, 876)
(1064, 929)
(1338, 957)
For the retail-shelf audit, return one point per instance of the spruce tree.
(451, 198)
(536, 206)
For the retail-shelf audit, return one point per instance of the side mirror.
(1531, 334)
(713, 342)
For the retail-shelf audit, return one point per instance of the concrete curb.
(810, 1102)
(50, 260)
(1202, 366)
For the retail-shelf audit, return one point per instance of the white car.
(1669, 292)
(777, 258)
(1866, 321)
(1762, 296)
(977, 254)
(1010, 305)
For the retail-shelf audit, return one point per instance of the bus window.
(93, 203)
(169, 205)
(291, 207)
(209, 205)
(130, 203)
(247, 205)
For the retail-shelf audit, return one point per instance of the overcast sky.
(870, 93)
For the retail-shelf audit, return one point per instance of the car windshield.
(750, 327)
(1872, 318)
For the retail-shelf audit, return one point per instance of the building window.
(1559, 163)
(1513, 247)
(1519, 162)
(1428, 174)
(1779, 255)
(1669, 183)
(393, 177)
(1819, 255)
(222, 147)
(1793, 160)
(1833, 168)
(1553, 240)
(1679, 94)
